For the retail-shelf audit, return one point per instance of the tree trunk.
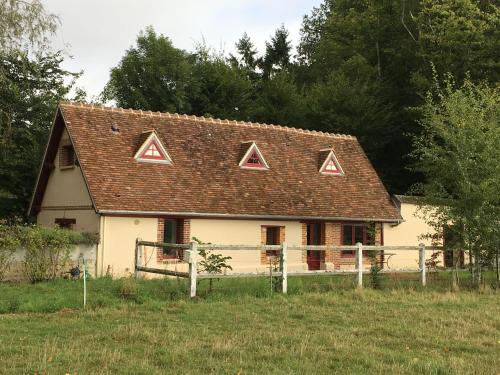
(454, 276)
(478, 268)
(497, 266)
(471, 266)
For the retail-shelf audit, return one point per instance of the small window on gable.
(152, 150)
(331, 165)
(253, 158)
(67, 157)
(65, 223)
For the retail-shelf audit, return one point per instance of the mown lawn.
(152, 328)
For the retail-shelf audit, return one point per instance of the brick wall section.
(304, 242)
(263, 233)
(186, 238)
(159, 238)
(263, 257)
(332, 237)
(186, 231)
(351, 261)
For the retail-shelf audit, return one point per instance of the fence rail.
(192, 249)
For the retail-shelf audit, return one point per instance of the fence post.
(359, 264)
(136, 258)
(193, 268)
(421, 263)
(284, 267)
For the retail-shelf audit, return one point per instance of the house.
(163, 177)
(411, 230)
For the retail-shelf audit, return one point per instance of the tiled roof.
(204, 177)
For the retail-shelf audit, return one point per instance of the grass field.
(150, 327)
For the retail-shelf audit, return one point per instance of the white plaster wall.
(86, 220)
(407, 233)
(117, 248)
(247, 232)
(66, 187)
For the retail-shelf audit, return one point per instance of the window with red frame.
(272, 238)
(172, 233)
(254, 160)
(354, 233)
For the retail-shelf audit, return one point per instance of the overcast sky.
(96, 33)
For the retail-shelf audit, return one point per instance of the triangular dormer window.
(331, 165)
(152, 150)
(253, 158)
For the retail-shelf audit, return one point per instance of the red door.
(313, 259)
(315, 236)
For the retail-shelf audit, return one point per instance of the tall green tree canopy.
(153, 75)
(31, 83)
(458, 153)
(24, 25)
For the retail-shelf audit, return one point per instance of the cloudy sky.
(96, 33)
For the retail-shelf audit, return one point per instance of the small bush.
(375, 269)
(47, 251)
(98, 302)
(9, 242)
(129, 290)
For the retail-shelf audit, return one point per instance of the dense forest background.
(361, 67)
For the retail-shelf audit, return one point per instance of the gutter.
(243, 216)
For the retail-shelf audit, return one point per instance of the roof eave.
(244, 216)
(40, 169)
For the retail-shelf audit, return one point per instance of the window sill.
(66, 167)
(170, 260)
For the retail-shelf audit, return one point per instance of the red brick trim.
(185, 238)
(264, 258)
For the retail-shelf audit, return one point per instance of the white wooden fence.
(191, 256)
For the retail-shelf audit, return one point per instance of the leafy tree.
(458, 153)
(153, 75)
(278, 51)
(461, 37)
(247, 52)
(25, 24)
(278, 101)
(212, 263)
(349, 101)
(31, 84)
(355, 60)
(29, 92)
(218, 89)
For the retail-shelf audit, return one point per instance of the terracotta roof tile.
(205, 177)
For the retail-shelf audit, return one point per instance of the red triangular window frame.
(253, 160)
(153, 152)
(331, 166)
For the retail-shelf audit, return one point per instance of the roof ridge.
(207, 119)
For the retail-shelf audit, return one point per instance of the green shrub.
(9, 242)
(47, 251)
(129, 289)
(375, 270)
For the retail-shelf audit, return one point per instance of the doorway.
(315, 236)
